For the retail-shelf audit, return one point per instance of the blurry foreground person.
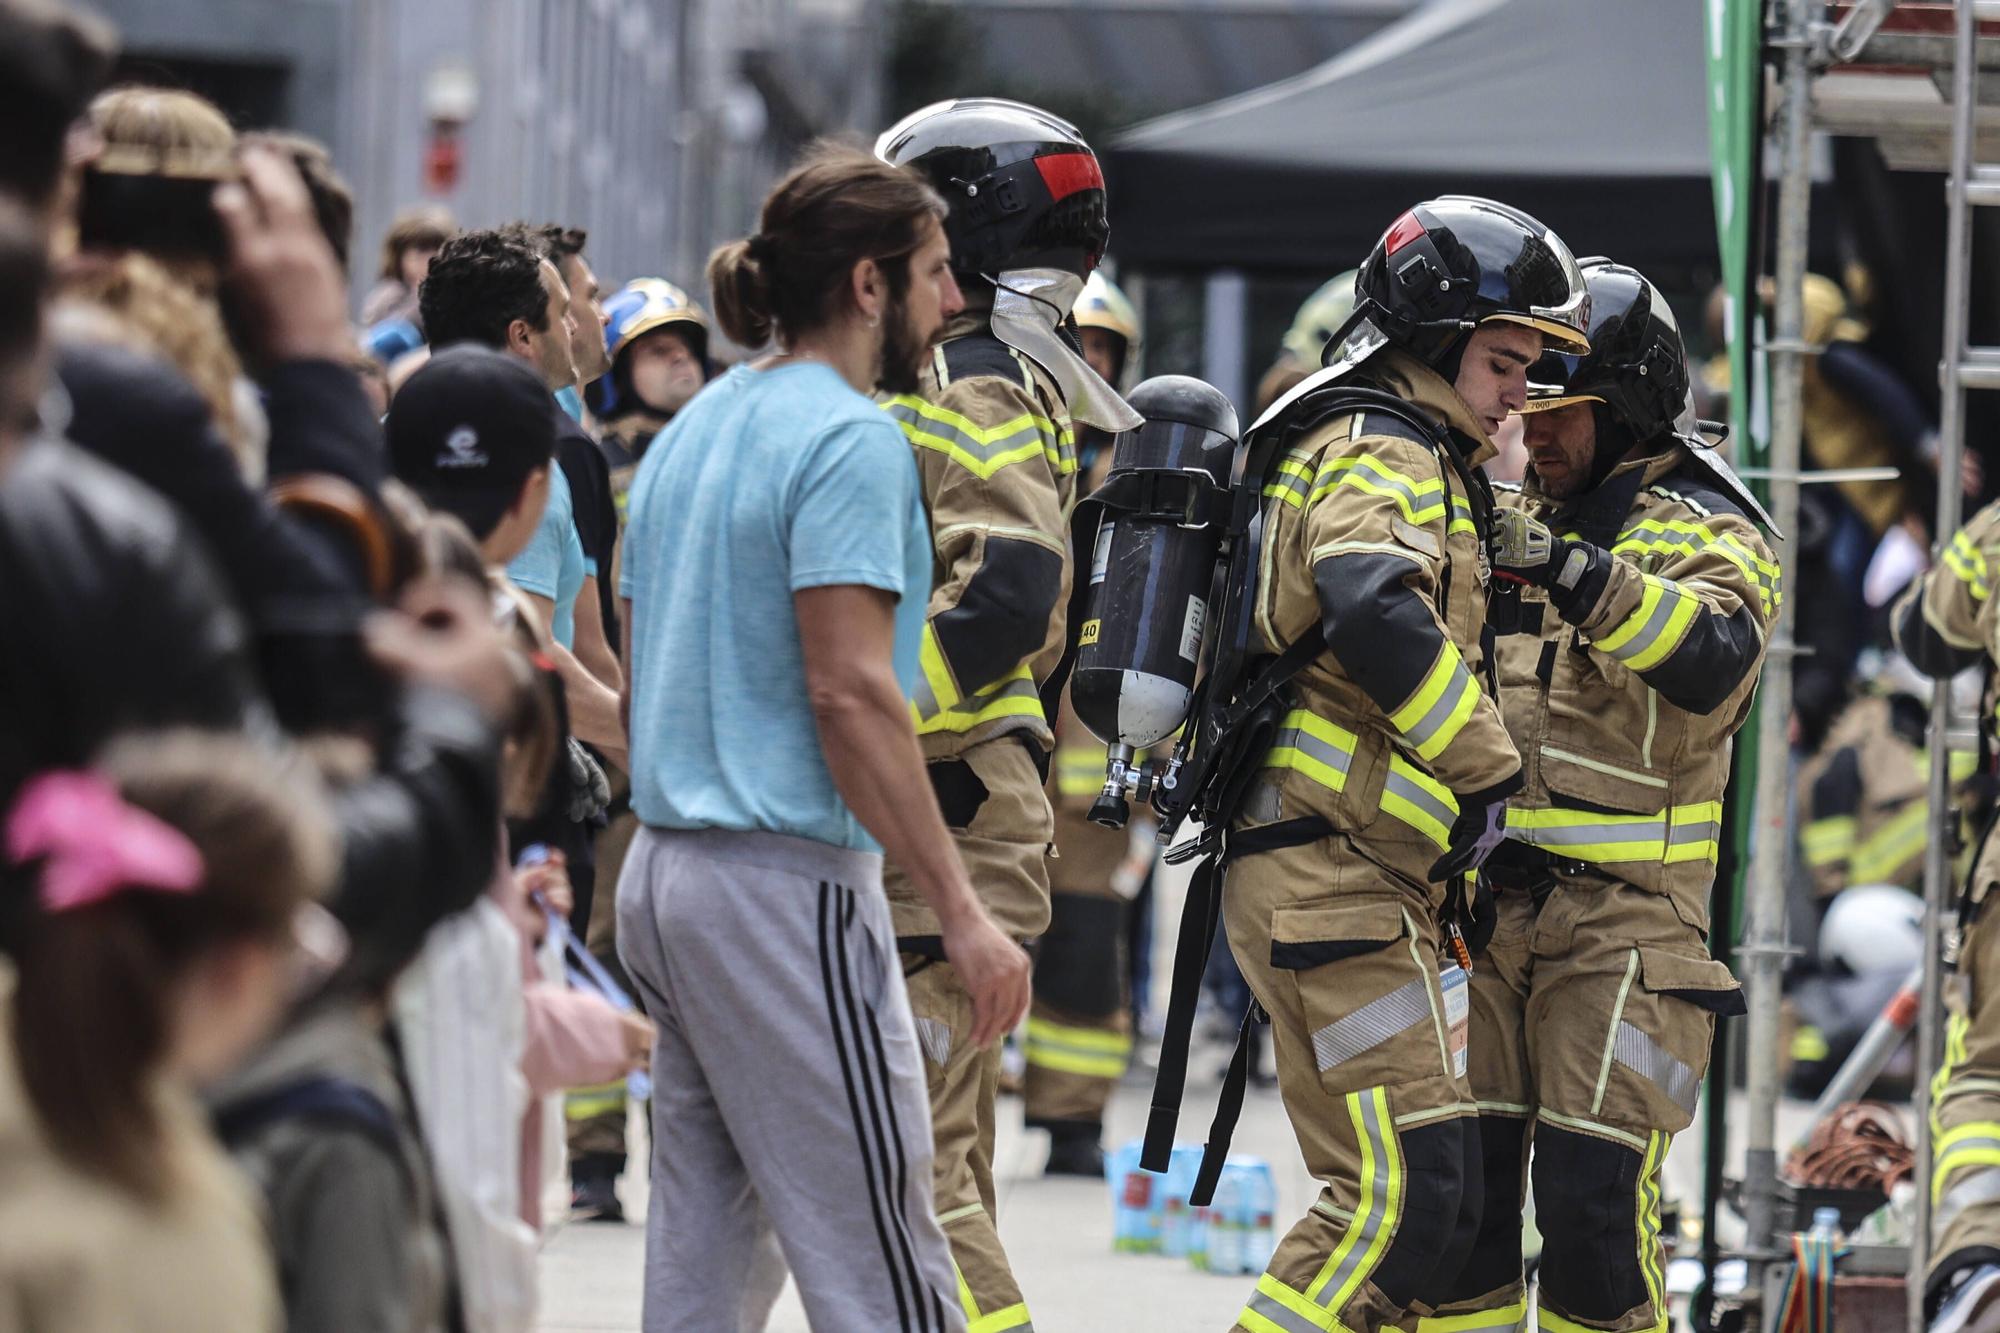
(147, 910)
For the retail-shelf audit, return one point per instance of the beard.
(904, 348)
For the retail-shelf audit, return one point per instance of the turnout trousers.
(1592, 1019)
(991, 798)
(1080, 1028)
(1342, 954)
(1965, 1111)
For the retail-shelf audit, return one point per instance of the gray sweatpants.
(788, 1089)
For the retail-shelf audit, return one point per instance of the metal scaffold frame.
(1808, 45)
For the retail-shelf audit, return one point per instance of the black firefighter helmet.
(1449, 265)
(1636, 366)
(1025, 190)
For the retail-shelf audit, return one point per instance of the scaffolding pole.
(1951, 447)
(1764, 947)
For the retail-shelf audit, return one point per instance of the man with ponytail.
(992, 427)
(777, 567)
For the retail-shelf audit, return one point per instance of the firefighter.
(658, 340)
(1080, 1028)
(1643, 590)
(1387, 778)
(1945, 624)
(1866, 815)
(993, 429)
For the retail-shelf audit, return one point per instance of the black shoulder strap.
(980, 354)
(322, 1100)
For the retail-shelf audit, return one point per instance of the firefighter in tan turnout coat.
(993, 430)
(1626, 665)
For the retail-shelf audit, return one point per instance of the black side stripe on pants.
(874, 1158)
(901, 1195)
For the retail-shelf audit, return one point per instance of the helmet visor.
(1551, 381)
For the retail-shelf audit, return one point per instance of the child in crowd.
(147, 913)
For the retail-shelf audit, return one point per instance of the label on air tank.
(1197, 613)
(1100, 560)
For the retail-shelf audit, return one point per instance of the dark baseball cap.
(467, 429)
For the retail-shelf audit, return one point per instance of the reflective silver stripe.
(1375, 1209)
(1577, 835)
(1648, 1059)
(1313, 747)
(923, 697)
(1372, 1024)
(1656, 624)
(1707, 830)
(1978, 1187)
(1282, 1315)
(935, 1038)
(1420, 798)
(1425, 727)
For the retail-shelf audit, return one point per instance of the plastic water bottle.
(1825, 1222)
(1226, 1216)
(1177, 1221)
(1135, 1216)
(1260, 1239)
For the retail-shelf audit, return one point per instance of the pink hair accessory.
(94, 845)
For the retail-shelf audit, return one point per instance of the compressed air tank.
(1140, 641)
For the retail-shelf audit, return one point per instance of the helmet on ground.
(1319, 318)
(1449, 265)
(1636, 366)
(1874, 928)
(645, 304)
(1025, 190)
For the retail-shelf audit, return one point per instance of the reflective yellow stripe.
(1975, 1143)
(1420, 501)
(1419, 800)
(1013, 1316)
(936, 690)
(1645, 638)
(1647, 1217)
(1883, 852)
(1437, 712)
(1685, 833)
(595, 1100)
(1015, 696)
(1089, 1052)
(1551, 1322)
(1290, 482)
(1080, 769)
(1501, 1319)
(983, 450)
(1965, 560)
(1313, 746)
(1677, 536)
(1461, 517)
(1828, 840)
(1276, 1308)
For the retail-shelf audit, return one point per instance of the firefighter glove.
(1525, 551)
(1481, 827)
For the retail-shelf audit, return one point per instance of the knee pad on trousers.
(1493, 1255)
(1077, 963)
(1586, 1202)
(1434, 1176)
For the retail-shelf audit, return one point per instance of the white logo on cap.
(461, 449)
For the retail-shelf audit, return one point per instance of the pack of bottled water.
(1151, 1213)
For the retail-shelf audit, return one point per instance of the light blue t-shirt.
(768, 482)
(551, 565)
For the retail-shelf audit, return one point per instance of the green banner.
(1733, 33)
